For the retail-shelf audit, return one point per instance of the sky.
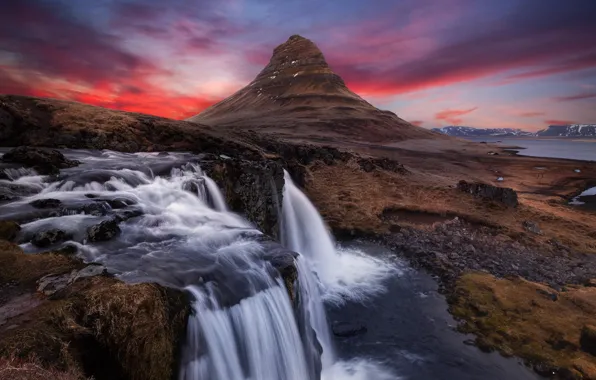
(483, 63)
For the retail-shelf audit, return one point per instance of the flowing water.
(177, 230)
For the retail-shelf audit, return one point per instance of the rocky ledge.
(62, 317)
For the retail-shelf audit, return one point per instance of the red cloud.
(453, 116)
(559, 122)
(417, 122)
(531, 114)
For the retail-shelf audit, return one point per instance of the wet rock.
(532, 227)
(46, 203)
(587, 339)
(103, 231)
(44, 161)
(253, 188)
(348, 329)
(49, 237)
(52, 284)
(9, 230)
(503, 195)
(128, 214)
(12, 191)
(118, 203)
(98, 208)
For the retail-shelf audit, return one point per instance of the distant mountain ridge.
(461, 131)
(571, 130)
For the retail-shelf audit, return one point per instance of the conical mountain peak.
(297, 93)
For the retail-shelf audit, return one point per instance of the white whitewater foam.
(358, 369)
(342, 273)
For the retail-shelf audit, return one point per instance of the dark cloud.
(555, 39)
(582, 96)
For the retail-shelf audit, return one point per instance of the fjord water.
(177, 231)
(567, 148)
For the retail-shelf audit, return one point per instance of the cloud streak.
(453, 116)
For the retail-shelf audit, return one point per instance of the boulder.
(9, 230)
(87, 322)
(587, 339)
(348, 329)
(44, 161)
(104, 231)
(47, 238)
(503, 195)
(46, 203)
(532, 227)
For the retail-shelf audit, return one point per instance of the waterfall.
(255, 339)
(215, 194)
(176, 230)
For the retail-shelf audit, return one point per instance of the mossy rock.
(97, 326)
(9, 230)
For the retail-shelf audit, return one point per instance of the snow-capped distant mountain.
(572, 130)
(471, 131)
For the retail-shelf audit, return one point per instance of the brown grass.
(349, 198)
(25, 269)
(104, 326)
(518, 317)
(13, 368)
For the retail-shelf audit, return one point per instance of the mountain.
(298, 95)
(471, 131)
(572, 130)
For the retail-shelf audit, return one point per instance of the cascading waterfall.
(177, 230)
(327, 273)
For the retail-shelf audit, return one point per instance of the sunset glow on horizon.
(512, 63)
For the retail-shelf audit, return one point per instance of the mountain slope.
(298, 95)
(573, 130)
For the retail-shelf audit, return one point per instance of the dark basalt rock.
(97, 208)
(253, 188)
(503, 195)
(587, 339)
(12, 191)
(49, 237)
(103, 231)
(44, 161)
(46, 203)
(347, 329)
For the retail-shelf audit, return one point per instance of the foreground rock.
(44, 161)
(103, 231)
(494, 193)
(90, 325)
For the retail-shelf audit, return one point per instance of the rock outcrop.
(252, 188)
(503, 195)
(298, 94)
(44, 161)
(69, 318)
